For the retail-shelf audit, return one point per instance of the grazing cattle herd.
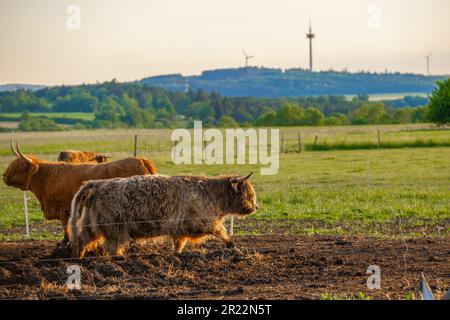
(73, 156)
(110, 204)
(55, 183)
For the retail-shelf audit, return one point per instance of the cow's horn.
(14, 150)
(249, 175)
(21, 154)
(240, 179)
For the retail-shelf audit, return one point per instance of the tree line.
(120, 105)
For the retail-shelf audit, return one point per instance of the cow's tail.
(149, 168)
(79, 218)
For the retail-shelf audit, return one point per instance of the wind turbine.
(310, 37)
(428, 56)
(247, 57)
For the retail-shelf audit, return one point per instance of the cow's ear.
(234, 183)
(242, 179)
(35, 168)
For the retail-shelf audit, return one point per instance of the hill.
(270, 82)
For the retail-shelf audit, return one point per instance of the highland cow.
(73, 156)
(111, 213)
(55, 183)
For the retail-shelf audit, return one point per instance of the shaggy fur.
(73, 156)
(186, 208)
(55, 183)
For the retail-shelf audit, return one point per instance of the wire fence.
(156, 143)
(361, 241)
(259, 223)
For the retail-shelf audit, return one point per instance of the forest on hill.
(119, 105)
(272, 82)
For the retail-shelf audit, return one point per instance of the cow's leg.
(63, 246)
(220, 232)
(117, 246)
(86, 243)
(79, 253)
(120, 250)
(179, 243)
(66, 233)
(110, 247)
(80, 247)
(196, 243)
(65, 225)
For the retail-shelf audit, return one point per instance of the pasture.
(392, 96)
(10, 120)
(68, 115)
(340, 202)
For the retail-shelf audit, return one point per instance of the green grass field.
(88, 116)
(393, 96)
(381, 192)
(390, 96)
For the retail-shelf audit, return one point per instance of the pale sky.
(132, 39)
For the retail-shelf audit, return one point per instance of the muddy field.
(267, 267)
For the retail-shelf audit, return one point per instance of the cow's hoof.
(61, 251)
(63, 244)
(202, 251)
(230, 245)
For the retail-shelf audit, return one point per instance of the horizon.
(41, 45)
(218, 69)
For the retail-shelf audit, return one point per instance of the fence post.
(315, 141)
(282, 143)
(379, 138)
(231, 231)
(135, 144)
(204, 150)
(174, 149)
(25, 207)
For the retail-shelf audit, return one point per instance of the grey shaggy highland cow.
(113, 212)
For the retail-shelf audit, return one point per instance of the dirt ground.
(267, 267)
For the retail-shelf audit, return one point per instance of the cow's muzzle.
(246, 211)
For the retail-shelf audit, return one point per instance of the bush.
(335, 120)
(38, 124)
(440, 103)
(80, 126)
